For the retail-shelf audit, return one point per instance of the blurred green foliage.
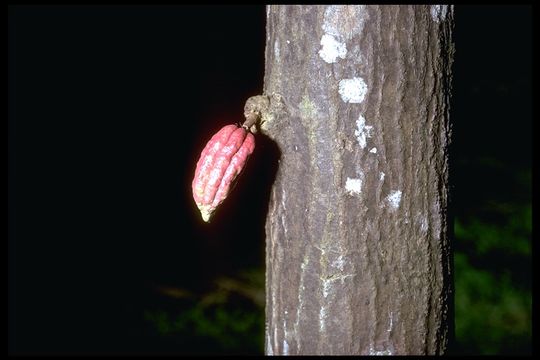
(227, 320)
(493, 303)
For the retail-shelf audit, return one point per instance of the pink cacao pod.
(221, 161)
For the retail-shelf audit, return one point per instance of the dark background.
(109, 108)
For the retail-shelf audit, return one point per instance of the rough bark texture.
(357, 251)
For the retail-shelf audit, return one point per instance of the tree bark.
(357, 252)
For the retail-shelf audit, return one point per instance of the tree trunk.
(357, 252)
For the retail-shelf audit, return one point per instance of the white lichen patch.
(332, 49)
(276, 49)
(381, 176)
(339, 263)
(391, 322)
(269, 350)
(394, 199)
(285, 347)
(372, 351)
(438, 12)
(353, 186)
(344, 21)
(352, 90)
(362, 131)
(275, 337)
(326, 288)
(322, 317)
(423, 224)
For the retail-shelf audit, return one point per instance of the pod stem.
(253, 110)
(251, 119)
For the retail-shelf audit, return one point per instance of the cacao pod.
(221, 161)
